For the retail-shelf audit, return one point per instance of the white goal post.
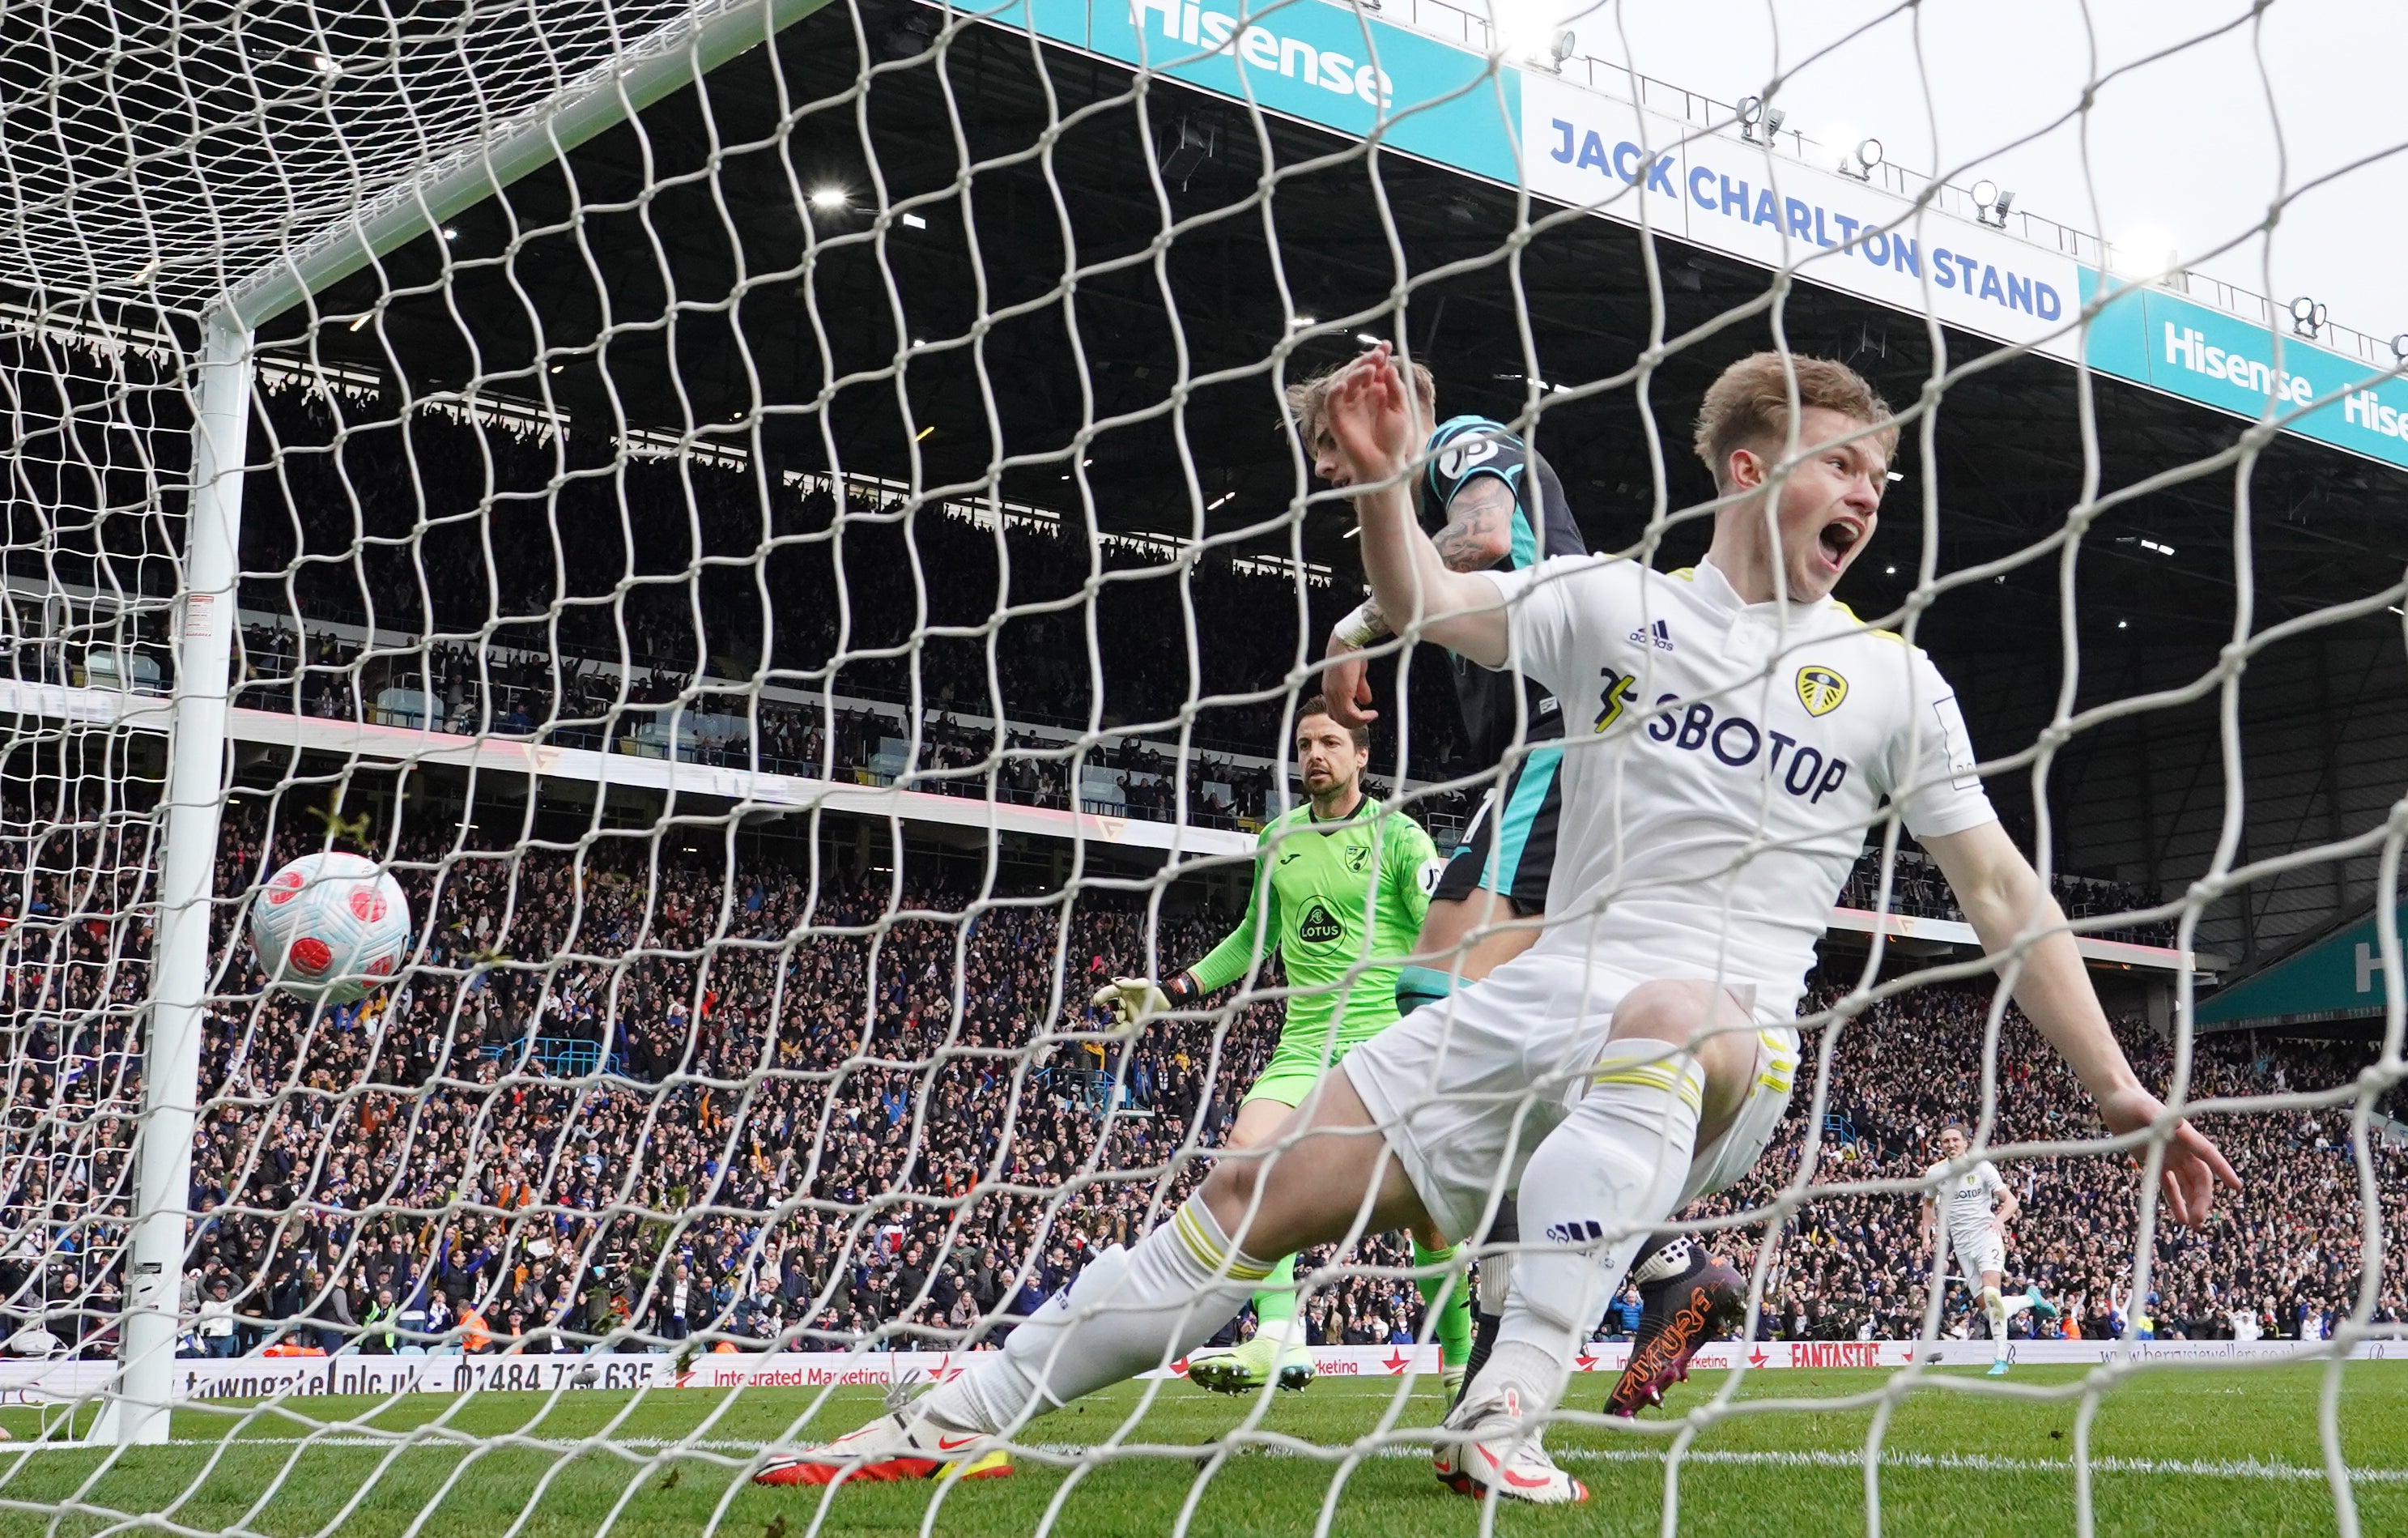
(337, 241)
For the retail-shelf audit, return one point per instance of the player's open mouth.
(1838, 538)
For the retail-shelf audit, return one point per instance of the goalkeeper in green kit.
(1339, 886)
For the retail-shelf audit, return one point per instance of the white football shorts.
(1977, 1253)
(1464, 1089)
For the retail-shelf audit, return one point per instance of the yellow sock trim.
(1212, 1257)
(1684, 1079)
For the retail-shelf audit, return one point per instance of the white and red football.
(330, 927)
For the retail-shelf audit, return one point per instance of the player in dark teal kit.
(1498, 505)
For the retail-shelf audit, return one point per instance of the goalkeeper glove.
(1129, 1000)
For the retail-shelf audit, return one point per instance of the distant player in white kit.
(1718, 775)
(1979, 1206)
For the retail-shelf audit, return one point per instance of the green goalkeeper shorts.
(1301, 1058)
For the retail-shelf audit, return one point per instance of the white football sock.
(1130, 1311)
(1527, 1370)
(1995, 1307)
(2017, 1303)
(1615, 1166)
(1495, 1281)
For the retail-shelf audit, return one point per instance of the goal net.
(782, 526)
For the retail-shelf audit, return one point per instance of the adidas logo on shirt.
(1659, 634)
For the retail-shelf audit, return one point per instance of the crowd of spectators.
(821, 1114)
(2283, 1259)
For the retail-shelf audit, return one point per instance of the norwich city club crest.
(1820, 690)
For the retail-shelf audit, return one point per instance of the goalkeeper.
(1338, 887)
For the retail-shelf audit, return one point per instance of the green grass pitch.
(2182, 1450)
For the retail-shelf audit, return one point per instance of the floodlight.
(2400, 349)
(1991, 202)
(450, 231)
(828, 199)
(1758, 121)
(1848, 147)
(2307, 316)
(1560, 46)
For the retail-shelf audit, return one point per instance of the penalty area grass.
(2184, 1449)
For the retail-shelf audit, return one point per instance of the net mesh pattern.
(772, 587)
(160, 153)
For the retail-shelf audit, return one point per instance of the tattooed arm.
(1479, 533)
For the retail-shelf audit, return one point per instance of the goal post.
(675, 55)
(181, 965)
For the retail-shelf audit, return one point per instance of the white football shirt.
(1965, 1199)
(1721, 762)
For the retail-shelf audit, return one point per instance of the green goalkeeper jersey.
(1350, 890)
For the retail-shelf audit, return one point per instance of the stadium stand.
(858, 1184)
(574, 657)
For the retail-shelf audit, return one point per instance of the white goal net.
(782, 526)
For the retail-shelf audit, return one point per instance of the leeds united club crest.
(1820, 690)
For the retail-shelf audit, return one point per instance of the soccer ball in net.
(330, 927)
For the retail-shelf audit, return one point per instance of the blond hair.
(1308, 399)
(1749, 405)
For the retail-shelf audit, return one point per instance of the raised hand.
(2193, 1165)
(1346, 685)
(1130, 999)
(1370, 417)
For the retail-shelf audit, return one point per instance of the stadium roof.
(2332, 977)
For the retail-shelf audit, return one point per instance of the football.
(330, 927)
